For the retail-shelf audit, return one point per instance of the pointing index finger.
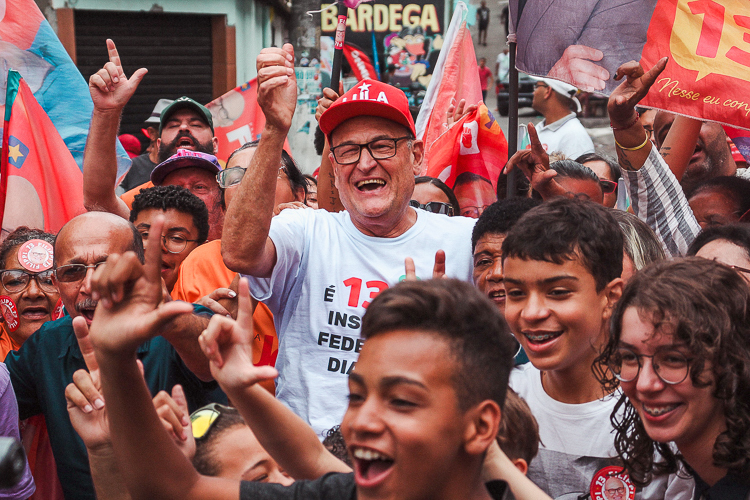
(114, 56)
(81, 330)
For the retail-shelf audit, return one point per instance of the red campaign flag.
(708, 72)
(237, 118)
(475, 143)
(455, 77)
(360, 63)
(41, 185)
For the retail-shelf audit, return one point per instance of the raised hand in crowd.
(534, 163)
(633, 144)
(175, 417)
(110, 88)
(287, 438)
(438, 270)
(277, 86)
(458, 110)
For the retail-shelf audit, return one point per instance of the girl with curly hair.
(680, 350)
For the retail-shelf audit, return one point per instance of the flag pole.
(338, 47)
(512, 116)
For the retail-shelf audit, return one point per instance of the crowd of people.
(247, 331)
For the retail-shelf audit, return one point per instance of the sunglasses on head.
(607, 186)
(203, 419)
(436, 207)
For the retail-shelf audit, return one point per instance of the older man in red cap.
(318, 271)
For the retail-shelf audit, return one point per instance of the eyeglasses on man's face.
(71, 273)
(380, 149)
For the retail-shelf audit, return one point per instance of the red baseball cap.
(369, 98)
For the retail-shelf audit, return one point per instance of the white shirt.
(566, 135)
(326, 274)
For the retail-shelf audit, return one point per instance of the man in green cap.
(184, 124)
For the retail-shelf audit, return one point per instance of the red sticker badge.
(59, 311)
(612, 483)
(36, 255)
(10, 313)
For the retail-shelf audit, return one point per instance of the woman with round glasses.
(28, 294)
(680, 350)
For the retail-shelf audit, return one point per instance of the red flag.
(237, 118)
(708, 72)
(40, 183)
(455, 77)
(360, 63)
(475, 143)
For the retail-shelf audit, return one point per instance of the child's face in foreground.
(682, 413)
(403, 428)
(555, 311)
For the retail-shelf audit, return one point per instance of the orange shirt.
(128, 196)
(7, 343)
(202, 272)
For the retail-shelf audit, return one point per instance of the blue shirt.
(44, 366)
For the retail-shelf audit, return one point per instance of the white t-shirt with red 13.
(326, 274)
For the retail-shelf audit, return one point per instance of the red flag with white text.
(475, 144)
(360, 63)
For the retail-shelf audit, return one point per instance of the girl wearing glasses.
(680, 350)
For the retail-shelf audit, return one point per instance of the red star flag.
(41, 185)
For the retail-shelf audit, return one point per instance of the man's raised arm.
(246, 247)
(129, 313)
(110, 90)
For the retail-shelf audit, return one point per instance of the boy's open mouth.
(539, 338)
(370, 466)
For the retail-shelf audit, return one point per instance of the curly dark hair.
(568, 229)
(334, 442)
(176, 197)
(706, 305)
(19, 236)
(500, 217)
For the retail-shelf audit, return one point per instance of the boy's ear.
(482, 424)
(612, 292)
(521, 465)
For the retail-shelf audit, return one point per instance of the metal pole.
(338, 49)
(512, 117)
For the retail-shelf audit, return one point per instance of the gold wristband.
(635, 148)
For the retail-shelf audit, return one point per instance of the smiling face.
(403, 428)
(34, 305)
(177, 226)
(687, 415)
(377, 192)
(555, 311)
(488, 268)
(240, 456)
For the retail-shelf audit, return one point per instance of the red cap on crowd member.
(184, 158)
(131, 144)
(369, 98)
